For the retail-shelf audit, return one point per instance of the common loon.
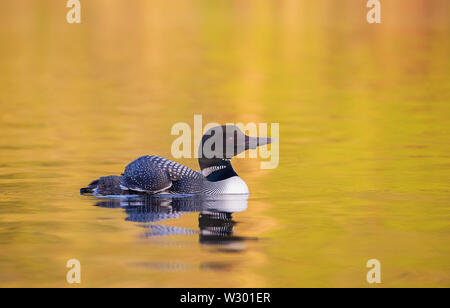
(153, 174)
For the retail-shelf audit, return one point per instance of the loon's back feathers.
(154, 174)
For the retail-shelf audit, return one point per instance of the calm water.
(364, 141)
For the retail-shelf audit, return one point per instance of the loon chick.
(153, 174)
(106, 185)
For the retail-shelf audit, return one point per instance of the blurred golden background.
(364, 138)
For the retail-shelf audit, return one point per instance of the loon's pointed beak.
(254, 142)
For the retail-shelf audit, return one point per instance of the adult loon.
(153, 174)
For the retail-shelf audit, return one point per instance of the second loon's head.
(221, 143)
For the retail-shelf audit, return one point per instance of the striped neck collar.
(207, 171)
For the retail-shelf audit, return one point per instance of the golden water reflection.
(364, 152)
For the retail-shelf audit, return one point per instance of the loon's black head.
(221, 143)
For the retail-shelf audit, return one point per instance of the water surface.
(364, 141)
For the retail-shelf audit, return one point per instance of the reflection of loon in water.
(153, 174)
(215, 216)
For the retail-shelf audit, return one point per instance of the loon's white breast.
(232, 185)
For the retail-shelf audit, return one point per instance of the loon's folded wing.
(146, 174)
(154, 174)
